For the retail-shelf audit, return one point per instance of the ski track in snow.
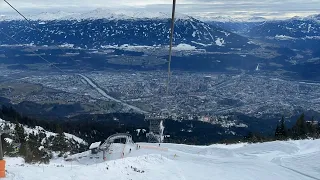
(301, 173)
(294, 160)
(194, 27)
(209, 33)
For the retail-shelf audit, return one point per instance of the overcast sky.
(205, 8)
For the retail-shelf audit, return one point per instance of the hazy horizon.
(269, 9)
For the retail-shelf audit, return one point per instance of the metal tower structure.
(156, 128)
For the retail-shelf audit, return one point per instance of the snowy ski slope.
(291, 160)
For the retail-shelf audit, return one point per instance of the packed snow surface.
(294, 160)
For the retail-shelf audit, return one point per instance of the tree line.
(302, 129)
(34, 146)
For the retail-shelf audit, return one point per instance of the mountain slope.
(237, 27)
(38, 130)
(35, 144)
(301, 33)
(295, 28)
(293, 160)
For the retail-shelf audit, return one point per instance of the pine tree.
(312, 129)
(6, 126)
(28, 154)
(45, 156)
(9, 150)
(60, 141)
(318, 131)
(277, 133)
(19, 133)
(300, 130)
(282, 129)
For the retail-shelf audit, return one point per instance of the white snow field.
(291, 160)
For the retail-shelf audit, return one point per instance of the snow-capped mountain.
(295, 28)
(299, 32)
(229, 19)
(237, 27)
(99, 13)
(47, 16)
(102, 28)
(315, 17)
(256, 19)
(118, 15)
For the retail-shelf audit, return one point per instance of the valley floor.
(294, 160)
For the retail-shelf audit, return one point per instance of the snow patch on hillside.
(312, 37)
(179, 47)
(284, 37)
(220, 42)
(184, 47)
(66, 45)
(201, 44)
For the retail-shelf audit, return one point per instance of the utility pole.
(2, 162)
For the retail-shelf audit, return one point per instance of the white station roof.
(95, 145)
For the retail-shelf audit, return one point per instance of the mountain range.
(100, 28)
(304, 33)
(241, 45)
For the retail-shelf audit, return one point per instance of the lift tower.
(156, 128)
